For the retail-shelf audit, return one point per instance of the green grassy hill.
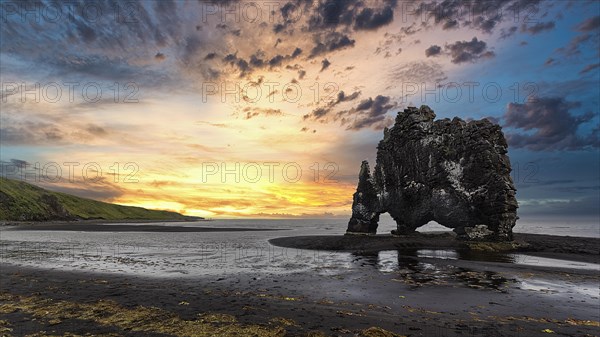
(20, 201)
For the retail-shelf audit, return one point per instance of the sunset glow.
(261, 111)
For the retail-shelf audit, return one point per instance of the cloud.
(76, 44)
(322, 112)
(574, 46)
(590, 34)
(342, 97)
(368, 19)
(589, 25)
(101, 189)
(265, 112)
(481, 15)
(548, 125)
(369, 113)
(589, 68)
(433, 51)
(580, 206)
(506, 33)
(96, 130)
(468, 51)
(330, 42)
(30, 133)
(537, 28)
(416, 72)
(325, 64)
(210, 56)
(258, 60)
(352, 13)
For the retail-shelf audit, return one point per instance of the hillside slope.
(20, 201)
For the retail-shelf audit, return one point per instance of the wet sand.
(294, 305)
(417, 296)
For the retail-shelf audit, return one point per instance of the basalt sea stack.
(453, 172)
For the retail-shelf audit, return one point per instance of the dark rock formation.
(453, 172)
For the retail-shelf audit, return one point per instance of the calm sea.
(189, 254)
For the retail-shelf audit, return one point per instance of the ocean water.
(191, 254)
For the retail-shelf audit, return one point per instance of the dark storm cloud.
(548, 125)
(468, 51)
(356, 14)
(330, 42)
(325, 64)
(368, 19)
(482, 15)
(325, 111)
(537, 28)
(276, 61)
(210, 56)
(369, 113)
(433, 51)
(342, 97)
(296, 53)
(258, 60)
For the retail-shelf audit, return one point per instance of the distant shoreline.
(125, 226)
(94, 221)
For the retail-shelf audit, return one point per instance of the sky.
(265, 109)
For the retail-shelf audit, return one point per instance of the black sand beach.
(421, 297)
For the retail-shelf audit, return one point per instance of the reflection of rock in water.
(453, 172)
(483, 279)
(477, 255)
(366, 258)
(411, 271)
